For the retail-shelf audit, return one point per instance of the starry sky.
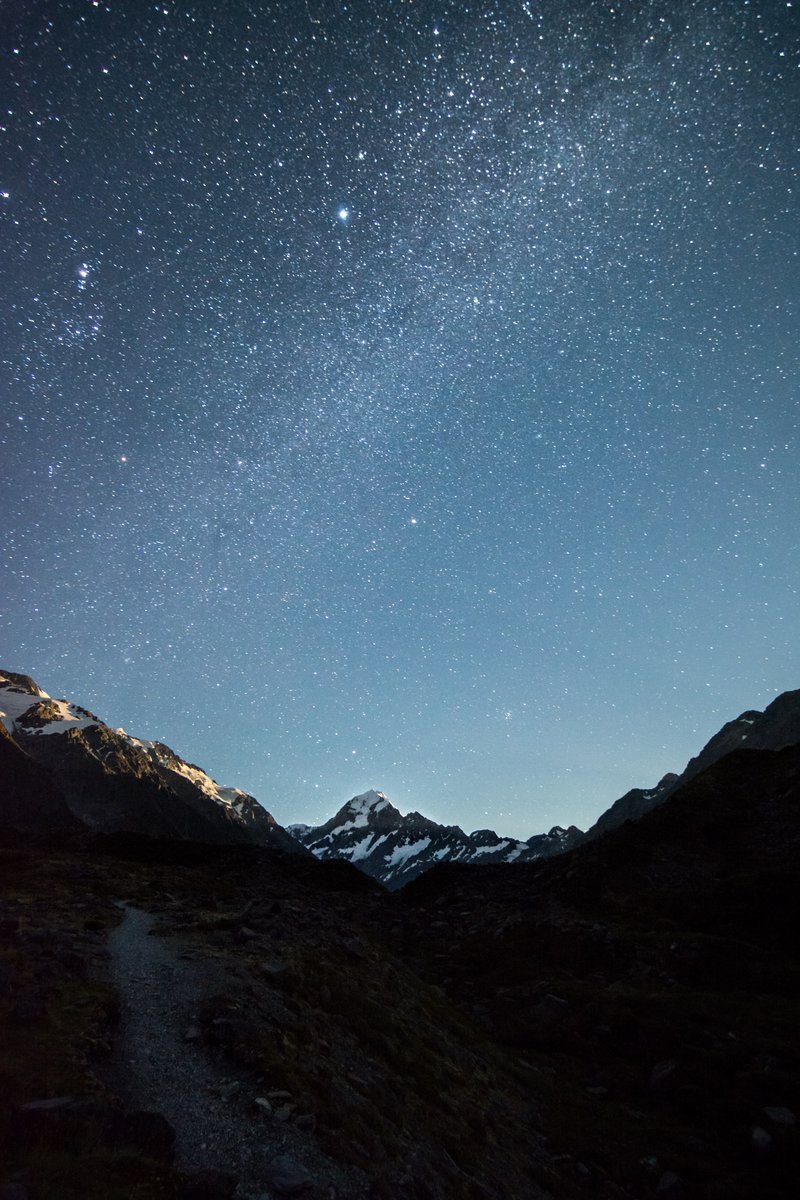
(400, 394)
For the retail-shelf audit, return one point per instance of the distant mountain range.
(370, 833)
(618, 1021)
(63, 767)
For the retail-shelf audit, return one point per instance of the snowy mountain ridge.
(394, 849)
(372, 834)
(112, 781)
(176, 797)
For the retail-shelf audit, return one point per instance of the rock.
(670, 1185)
(246, 934)
(287, 1176)
(55, 1119)
(550, 1010)
(192, 1034)
(284, 1113)
(273, 970)
(780, 1115)
(662, 1075)
(9, 978)
(233, 1031)
(56, 1105)
(356, 949)
(222, 1030)
(227, 1090)
(148, 1132)
(597, 1091)
(14, 1191)
(279, 1097)
(760, 1139)
(209, 1185)
(264, 1105)
(307, 1122)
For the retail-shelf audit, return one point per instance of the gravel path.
(161, 985)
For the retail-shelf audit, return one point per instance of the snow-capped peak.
(370, 801)
(205, 809)
(370, 832)
(24, 706)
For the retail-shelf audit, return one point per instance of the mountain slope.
(112, 782)
(29, 799)
(773, 729)
(372, 834)
(648, 981)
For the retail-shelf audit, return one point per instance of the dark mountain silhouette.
(777, 726)
(112, 782)
(618, 1021)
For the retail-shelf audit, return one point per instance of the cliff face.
(776, 727)
(112, 782)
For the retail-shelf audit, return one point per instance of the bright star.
(344, 214)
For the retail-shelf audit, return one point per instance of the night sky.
(403, 395)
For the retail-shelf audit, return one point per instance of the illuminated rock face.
(112, 782)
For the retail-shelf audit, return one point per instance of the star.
(560, 329)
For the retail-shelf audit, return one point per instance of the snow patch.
(14, 702)
(365, 847)
(491, 849)
(402, 853)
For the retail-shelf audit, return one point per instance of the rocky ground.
(266, 1015)
(167, 1058)
(620, 1023)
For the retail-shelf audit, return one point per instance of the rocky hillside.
(372, 834)
(181, 1021)
(647, 983)
(776, 727)
(110, 781)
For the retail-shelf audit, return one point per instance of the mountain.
(616, 1023)
(776, 727)
(29, 798)
(372, 834)
(108, 781)
(647, 981)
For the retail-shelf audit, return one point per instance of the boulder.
(288, 1177)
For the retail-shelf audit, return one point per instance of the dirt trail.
(161, 985)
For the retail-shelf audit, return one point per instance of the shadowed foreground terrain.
(620, 1021)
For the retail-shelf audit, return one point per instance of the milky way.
(404, 395)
